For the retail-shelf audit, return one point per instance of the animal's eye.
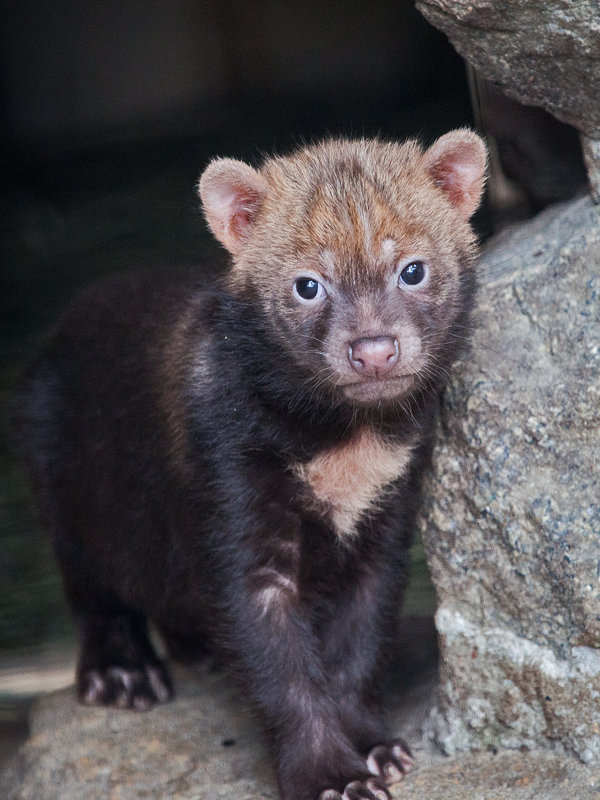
(413, 273)
(308, 289)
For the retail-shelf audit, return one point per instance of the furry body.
(241, 464)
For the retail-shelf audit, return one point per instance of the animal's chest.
(351, 479)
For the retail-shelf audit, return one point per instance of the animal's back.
(96, 419)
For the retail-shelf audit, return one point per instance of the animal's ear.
(231, 194)
(457, 162)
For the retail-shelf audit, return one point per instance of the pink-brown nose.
(373, 356)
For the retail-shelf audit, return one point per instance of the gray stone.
(591, 157)
(203, 746)
(518, 776)
(545, 53)
(511, 521)
(176, 751)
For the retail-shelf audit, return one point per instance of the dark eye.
(413, 273)
(308, 288)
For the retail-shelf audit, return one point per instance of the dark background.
(111, 110)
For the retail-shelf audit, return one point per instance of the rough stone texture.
(544, 53)
(176, 751)
(536, 775)
(591, 156)
(511, 523)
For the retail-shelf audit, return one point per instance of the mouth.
(372, 390)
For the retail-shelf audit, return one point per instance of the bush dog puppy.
(240, 463)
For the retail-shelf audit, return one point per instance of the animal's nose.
(373, 356)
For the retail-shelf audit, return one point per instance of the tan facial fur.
(349, 215)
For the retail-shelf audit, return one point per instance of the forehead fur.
(350, 196)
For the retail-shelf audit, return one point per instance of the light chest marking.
(350, 479)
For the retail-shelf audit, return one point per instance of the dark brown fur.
(241, 464)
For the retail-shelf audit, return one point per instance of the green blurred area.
(31, 606)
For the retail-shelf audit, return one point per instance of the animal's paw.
(391, 761)
(371, 789)
(139, 689)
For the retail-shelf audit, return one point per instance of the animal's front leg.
(279, 662)
(269, 631)
(354, 646)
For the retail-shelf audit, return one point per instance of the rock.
(545, 53)
(511, 520)
(591, 156)
(206, 745)
(518, 776)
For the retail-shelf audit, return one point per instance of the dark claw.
(372, 789)
(402, 753)
(138, 689)
(391, 761)
(377, 787)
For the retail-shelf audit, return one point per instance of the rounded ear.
(231, 194)
(457, 162)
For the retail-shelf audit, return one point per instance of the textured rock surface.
(177, 751)
(545, 53)
(591, 156)
(205, 745)
(536, 775)
(512, 518)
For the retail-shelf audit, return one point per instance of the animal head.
(358, 255)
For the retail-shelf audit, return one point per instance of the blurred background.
(110, 112)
